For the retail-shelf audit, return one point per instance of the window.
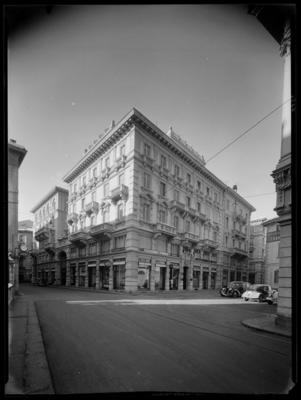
(83, 203)
(228, 204)
(84, 181)
(93, 220)
(226, 241)
(122, 150)
(74, 207)
(208, 191)
(146, 180)
(105, 216)
(93, 196)
(94, 172)
(199, 185)
(177, 170)
(176, 222)
(199, 207)
(215, 197)
(106, 190)
(82, 251)
(188, 201)
(147, 149)
(276, 276)
(162, 189)
(176, 195)
(121, 179)
(107, 162)
(119, 242)
(227, 222)
(187, 225)
(146, 212)
(162, 216)
(175, 250)
(120, 211)
(188, 178)
(92, 249)
(215, 236)
(163, 161)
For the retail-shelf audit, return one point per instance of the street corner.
(267, 323)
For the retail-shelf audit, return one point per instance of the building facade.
(15, 156)
(50, 226)
(27, 250)
(257, 251)
(272, 252)
(145, 213)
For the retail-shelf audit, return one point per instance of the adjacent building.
(15, 156)
(144, 212)
(272, 252)
(50, 225)
(27, 250)
(257, 251)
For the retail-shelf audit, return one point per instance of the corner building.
(145, 213)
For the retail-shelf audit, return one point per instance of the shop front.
(196, 277)
(160, 283)
(119, 274)
(174, 274)
(72, 274)
(205, 277)
(213, 278)
(92, 274)
(82, 274)
(144, 273)
(104, 274)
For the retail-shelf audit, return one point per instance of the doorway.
(162, 278)
(205, 279)
(185, 278)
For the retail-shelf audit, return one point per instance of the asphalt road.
(97, 346)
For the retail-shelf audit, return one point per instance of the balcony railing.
(236, 232)
(121, 192)
(239, 252)
(79, 238)
(42, 234)
(104, 229)
(209, 243)
(49, 246)
(239, 217)
(177, 205)
(191, 237)
(91, 208)
(93, 181)
(82, 189)
(166, 229)
(72, 218)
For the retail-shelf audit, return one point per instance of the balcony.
(79, 238)
(91, 208)
(209, 243)
(92, 182)
(119, 193)
(104, 229)
(82, 189)
(165, 229)
(208, 199)
(42, 234)
(199, 193)
(191, 211)
(190, 237)
(189, 187)
(72, 218)
(237, 233)
(49, 246)
(177, 205)
(105, 173)
(73, 196)
(239, 217)
(236, 251)
(201, 216)
(120, 162)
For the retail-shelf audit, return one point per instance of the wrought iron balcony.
(119, 193)
(177, 205)
(237, 233)
(91, 208)
(93, 181)
(79, 238)
(104, 229)
(165, 229)
(72, 218)
(42, 234)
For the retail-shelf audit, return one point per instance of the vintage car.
(257, 292)
(234, 289)
(273, 298)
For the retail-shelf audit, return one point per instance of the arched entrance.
(62, 256)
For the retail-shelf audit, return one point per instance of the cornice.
(53, 191)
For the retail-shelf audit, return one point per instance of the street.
(96, 342)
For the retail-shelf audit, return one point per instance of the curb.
(267, 324)
(37, 379)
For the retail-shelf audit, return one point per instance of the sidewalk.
(267, 323)
(28, 367)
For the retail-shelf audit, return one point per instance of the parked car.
(234, 289)
(257, 292)
(273, 298)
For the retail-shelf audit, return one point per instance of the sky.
(209, 71)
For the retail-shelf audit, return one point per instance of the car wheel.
(235, 294)
(246, 299)
(260, 298)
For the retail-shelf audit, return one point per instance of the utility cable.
(248, 130)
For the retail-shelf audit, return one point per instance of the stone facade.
(257, 251)
(272, 252)
(145, 213)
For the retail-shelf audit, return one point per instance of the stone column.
(282, 179)
(68, 273)
(97, 274)
(131, 272)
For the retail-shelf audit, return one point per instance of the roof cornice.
(53, 191)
